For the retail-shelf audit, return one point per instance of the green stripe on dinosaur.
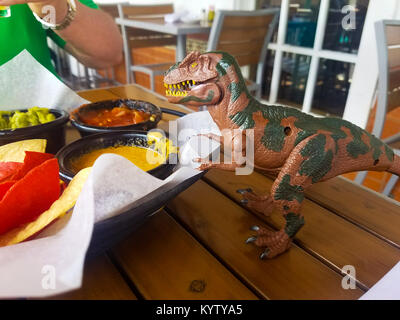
(389, 153)
(236, 88)
(209, 98)
(244, 118)
(286, 191)
(293, 223)
(274, 136)
(319, 161)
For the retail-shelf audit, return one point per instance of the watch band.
(71, 12)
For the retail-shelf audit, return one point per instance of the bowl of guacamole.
(34, 123)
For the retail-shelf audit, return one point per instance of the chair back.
(140, 38)
(110, 8)
(388, 45)
(244, 34)
(143, 10)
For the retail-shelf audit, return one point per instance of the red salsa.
(115, 117)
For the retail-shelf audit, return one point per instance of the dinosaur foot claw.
(244, 191)
(251, 239)
(254, 228)
(274, 242)
(264, 254)
(258, 203)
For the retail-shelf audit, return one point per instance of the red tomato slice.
(8, 169)
(5, 186)
(32, 159)
(30, 196)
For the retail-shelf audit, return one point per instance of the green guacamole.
(32, 117)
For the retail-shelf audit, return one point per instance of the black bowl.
(53, 132)
(85, 129)
(109, 139)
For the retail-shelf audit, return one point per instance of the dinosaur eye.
(194, 65)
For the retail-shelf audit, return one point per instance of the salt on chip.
(59, 207)
(15, 151)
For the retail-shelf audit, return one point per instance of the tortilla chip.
(57, 210)
(15, 151)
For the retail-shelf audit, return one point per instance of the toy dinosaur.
(302, 148)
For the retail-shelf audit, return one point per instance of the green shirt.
(22, 31)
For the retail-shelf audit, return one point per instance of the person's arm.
(92, 37)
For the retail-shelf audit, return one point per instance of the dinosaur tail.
(395, 167)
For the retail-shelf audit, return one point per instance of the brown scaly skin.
(302, 148)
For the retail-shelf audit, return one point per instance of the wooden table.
(195, 247)
(180, 29)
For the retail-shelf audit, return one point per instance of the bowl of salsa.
(115, 115)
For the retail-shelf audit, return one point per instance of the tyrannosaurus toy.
(302, 148)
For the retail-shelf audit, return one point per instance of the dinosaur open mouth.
(180, 89)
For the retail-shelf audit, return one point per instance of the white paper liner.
(25, 83)
(388, 288)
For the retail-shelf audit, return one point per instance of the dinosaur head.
(194, 80)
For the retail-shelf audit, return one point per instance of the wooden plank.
(223, 226)
(244, 60)
(392, 35)
(248, 21)
(242, 47)
(394, 57)
(97, 95)
(369, 209)
(151, 42)
(233, 34)
(101, 281)
(325, 234)
(136, 10)
(165, 262)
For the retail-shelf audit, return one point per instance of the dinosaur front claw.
(205, 164)
(251, 239)
(254, 228)
(264, 254)
(243, 191)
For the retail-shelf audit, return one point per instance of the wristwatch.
(71, 12)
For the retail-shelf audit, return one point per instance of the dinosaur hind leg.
(308, 163)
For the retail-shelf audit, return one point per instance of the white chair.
(388, 44)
